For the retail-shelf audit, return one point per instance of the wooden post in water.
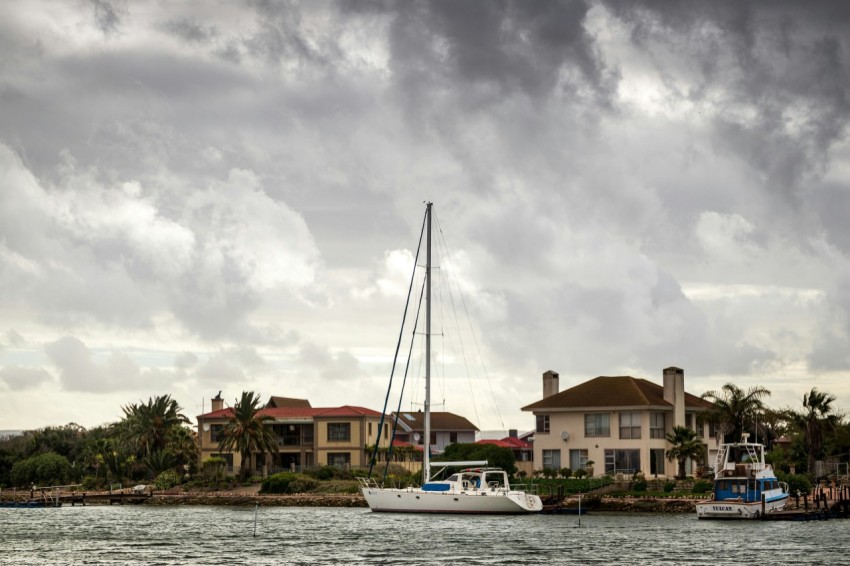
(763, 505)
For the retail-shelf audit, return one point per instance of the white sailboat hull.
(415, 500)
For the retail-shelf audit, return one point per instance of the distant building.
(522, 450)
(620, 423)
(446, 428)
(306, 436)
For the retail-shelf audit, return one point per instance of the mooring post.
(763, 505)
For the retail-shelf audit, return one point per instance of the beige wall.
(573, 423)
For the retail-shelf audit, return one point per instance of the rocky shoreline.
(305, 500)
(604, 504)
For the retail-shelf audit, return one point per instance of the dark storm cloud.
(777, 73)
(189, 30)
(491, 49)
(107, 15)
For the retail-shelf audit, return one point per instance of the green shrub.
(323, 473)
(796, 482)
(43, 470)
(701, 486)
(639, 486)
(167, 479)
(669, 486)
(565, 472)
(289, 482)
(580, 473)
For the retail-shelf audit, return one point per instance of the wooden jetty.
(827, 502)
(56, 496)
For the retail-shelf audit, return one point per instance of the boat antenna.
(398, 345)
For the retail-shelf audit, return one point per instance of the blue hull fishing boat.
(745, 487)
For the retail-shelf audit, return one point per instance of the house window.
(656, 425)
(597, 424)
(386, 431)
(656, 461)
(339, 459)
(629, 425)
(370, 429)
(339, 432)
(578, 459)
(433, 440)
(216, 432)
(453, 438)
(552, 459)
(543, 424)
(627, 461)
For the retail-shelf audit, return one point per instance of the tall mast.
(426, 461)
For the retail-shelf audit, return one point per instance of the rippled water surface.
(286, 535)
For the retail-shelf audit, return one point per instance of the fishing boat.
(476, 489)
(745, 487)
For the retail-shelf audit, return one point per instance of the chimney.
(550, 383)
(674, 393)
(512, 433)
(217, 402)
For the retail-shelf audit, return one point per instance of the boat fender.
(757, 514)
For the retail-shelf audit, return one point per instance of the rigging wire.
(403, 382)
(442, 240)
(398, 345)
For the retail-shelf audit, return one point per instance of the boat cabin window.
(454, 477)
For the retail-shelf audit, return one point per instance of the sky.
(211, 196)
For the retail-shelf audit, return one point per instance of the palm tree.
(734, 408)
(816, 417)
(685, 446)
(147, 425)
(245, 431)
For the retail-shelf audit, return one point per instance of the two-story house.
(446, 428)
(620, 423)
(306, 436)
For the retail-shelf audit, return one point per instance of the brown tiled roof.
(613, 391)
(439, 421)
(301, 412)
(287, 402)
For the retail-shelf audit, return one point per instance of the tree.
(685, 446)
(735, 409)
(816, 417)
(246, 433)
(148, 425)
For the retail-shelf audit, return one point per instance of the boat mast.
(426, 457)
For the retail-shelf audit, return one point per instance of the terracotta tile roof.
(348, 411)
(613, 391)
(401, 443)
(287, 402)
(301, 412)
(508, 442)
(439, 421)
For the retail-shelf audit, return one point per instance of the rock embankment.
(631, 505)
(225, 498)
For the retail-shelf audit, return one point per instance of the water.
(287, 535)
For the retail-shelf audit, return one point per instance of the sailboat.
(476, 489)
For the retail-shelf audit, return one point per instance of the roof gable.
(613, 391)
(439, 421)
(279, 402)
